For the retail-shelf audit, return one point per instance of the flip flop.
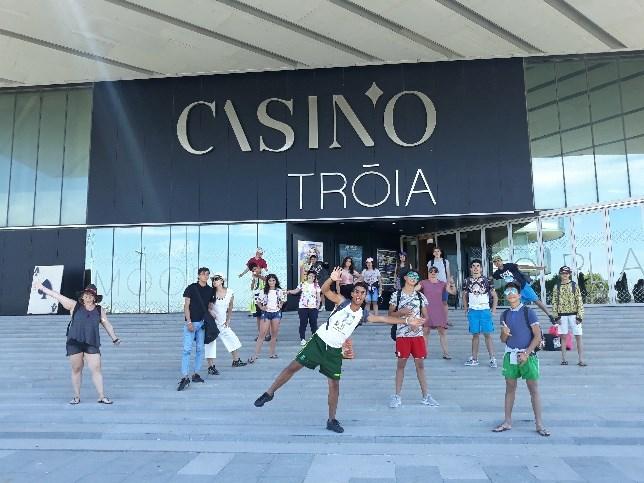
(252, 359)
(274, 356)
(564, 363)
(75, 401)
(543, 432)
(447, 357)
(104, 400)
(582, 364)
(501, 428)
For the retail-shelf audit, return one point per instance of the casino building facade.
(135, 184)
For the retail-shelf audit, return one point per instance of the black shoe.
(334, 425)
(239, 363)
(212, 370)
(267, 338)
(263, 399)
(197, 378)
(183, 383)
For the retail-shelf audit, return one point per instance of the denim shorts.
(271, 315)
(372, 296)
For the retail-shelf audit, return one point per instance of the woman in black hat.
(83, 338)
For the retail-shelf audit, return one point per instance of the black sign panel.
(428, 139)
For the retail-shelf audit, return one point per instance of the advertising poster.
(386, 260)
(353, 251)
(307, 248)
(51, 277)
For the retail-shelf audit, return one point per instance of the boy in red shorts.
(407, 302)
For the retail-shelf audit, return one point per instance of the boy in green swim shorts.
(521, 334)
(325, 347)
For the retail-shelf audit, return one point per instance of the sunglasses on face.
(510, 291)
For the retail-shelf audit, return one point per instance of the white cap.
(260, 250)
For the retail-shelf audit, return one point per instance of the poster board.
(305, 249)
(51, 276)
(386, 260)
(353, 251)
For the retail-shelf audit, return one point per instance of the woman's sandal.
(564, 363)
(252, 359)
(105, 400)
(274, 356)
(447, 357)
(501, 428)
(75, 401)
(543, 432)
(582, 364)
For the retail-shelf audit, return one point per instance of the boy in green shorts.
(521, 334)
(324, 349)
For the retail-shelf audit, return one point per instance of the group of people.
(415, 308)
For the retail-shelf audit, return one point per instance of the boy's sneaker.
(395, 401)
(430, 401)
(183, 383)
(303, 342)
(197, 378)
(212, 370)
(472, 362)
(239, 363)
(334, 425)
(263, 399)
(493, 363)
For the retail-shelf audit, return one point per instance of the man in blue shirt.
(521, 334)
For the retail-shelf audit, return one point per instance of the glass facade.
(586, 124)
(44, 156)
(146, 269)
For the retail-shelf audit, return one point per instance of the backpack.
(74, 310)
(525, 309)
(394, 327)
(574, 291)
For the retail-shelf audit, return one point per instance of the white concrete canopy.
(67, 41)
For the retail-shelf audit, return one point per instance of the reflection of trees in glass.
(596, 288)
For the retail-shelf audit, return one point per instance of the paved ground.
(212, 432)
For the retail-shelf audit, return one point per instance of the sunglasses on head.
(511, 290)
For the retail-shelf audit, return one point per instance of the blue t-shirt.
(510, 273)
(521, 333)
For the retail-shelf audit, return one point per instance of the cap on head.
(219, 276)
(413, 274)
(565, 269)
(433, 270)
(260, 250)
(497, 258)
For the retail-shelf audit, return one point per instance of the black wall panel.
(23, 249)
(475, 162)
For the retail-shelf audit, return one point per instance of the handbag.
(210, 325)
(553, 341)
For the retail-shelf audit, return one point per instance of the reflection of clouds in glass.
(580, 179)
(547, 179)
(612, 177)
(636, 171)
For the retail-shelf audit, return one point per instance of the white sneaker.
(303, 342)
(493, 363)
(395, 401)
(322, 309)
(429, 401)
(472, 362)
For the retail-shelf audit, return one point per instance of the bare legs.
(420, 373)
(275, 329)
(510, 394)
(488, 344)
(442, 335)
(77, 363)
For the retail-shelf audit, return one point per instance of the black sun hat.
(92, 290)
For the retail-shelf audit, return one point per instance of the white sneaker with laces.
(472, 362)
(493, 363)
(395, 401)
(303, 342)
(430, 401)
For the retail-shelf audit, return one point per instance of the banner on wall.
(307, 248)
(386, 260)
(51, 276)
